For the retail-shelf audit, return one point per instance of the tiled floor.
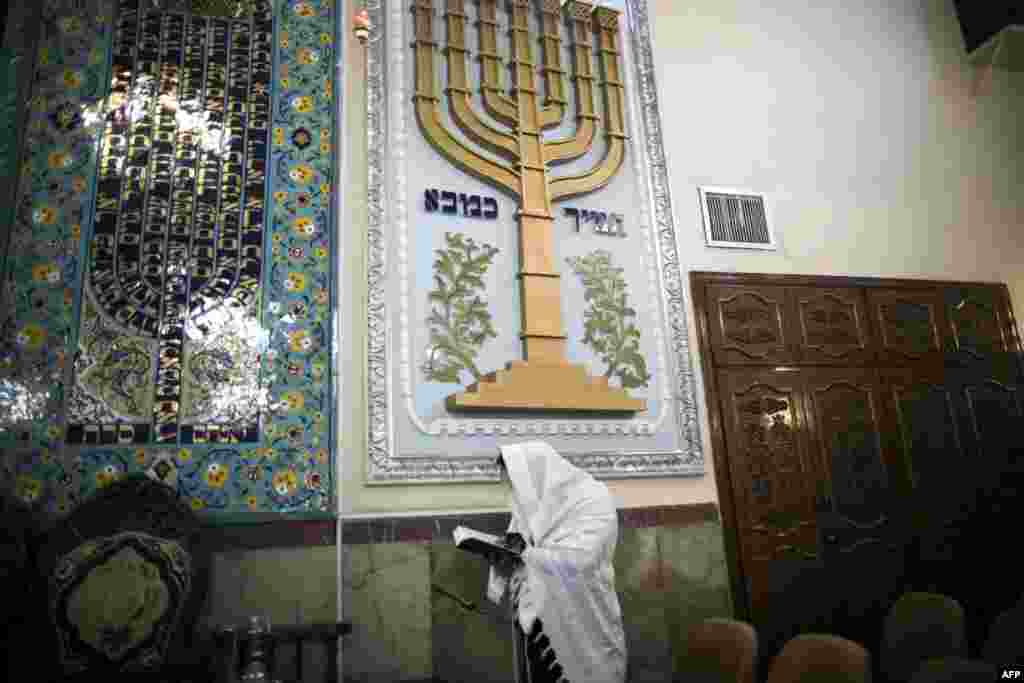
(168, 283)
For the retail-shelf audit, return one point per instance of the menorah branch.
(459, 94)
(429, 117)
(580, 142)
(551, 54)
(496, 103)
(606, 23)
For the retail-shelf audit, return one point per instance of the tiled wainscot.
(418, 609)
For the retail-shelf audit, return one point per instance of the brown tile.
(274, 534)
(686, 515)
(416, 531)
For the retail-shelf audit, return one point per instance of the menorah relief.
(521, 166)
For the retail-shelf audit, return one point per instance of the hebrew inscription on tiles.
(168, 287)
(177, 245)
(525, 263)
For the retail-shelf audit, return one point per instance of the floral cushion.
(117, 601)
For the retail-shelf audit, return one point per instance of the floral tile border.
(45, 253)
(290, 469)
(41, 479)
(218, 479)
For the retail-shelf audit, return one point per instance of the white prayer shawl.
(570, 525)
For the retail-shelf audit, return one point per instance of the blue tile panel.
(168, 289)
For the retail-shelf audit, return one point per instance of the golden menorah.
(544, 380)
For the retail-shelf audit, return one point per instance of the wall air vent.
(735, 218)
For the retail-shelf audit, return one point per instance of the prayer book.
(487, 545)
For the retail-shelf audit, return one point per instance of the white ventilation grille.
(735, 218)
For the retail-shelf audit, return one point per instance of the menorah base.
(544, 387)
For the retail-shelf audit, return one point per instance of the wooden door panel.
(862, 544)
(844, 415)
(908, 324)
(768, 460)
(772, 479)
(749, 324)
(832, 326)
(932, 466)
(790, 595)
(993, 408)
(924, 430)
(978, 327)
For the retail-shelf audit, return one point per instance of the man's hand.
(505, 563)
(516, 541)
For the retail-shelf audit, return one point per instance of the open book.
(487, 545)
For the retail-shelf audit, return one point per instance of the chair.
(921, 626)
(719, 651)
(820, 658)
(954, 670)
(1005, 643)
(125, 578)
(285, 650)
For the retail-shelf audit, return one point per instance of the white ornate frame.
(385, 146)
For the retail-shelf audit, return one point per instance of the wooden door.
(750, 324)
(888, 443)
(978, 326)
(863, 541)
(773, 490)
(908, 325)
(832, 326)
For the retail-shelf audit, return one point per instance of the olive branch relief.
(459, 320)
(609, 323)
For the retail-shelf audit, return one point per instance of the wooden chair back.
(719, 651)
(820, 658)
(921, 626)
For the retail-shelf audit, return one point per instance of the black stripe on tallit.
(541, 656)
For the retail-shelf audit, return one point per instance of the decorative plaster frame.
(383, 114)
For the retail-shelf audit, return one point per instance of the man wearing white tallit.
(563, 592)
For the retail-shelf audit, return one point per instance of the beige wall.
(861, 122)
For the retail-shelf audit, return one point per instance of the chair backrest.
(820, 658)
(921, 626)
(135, 503)
(1005, 644)
(286, 649)
(719, 651)
(954, 670)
